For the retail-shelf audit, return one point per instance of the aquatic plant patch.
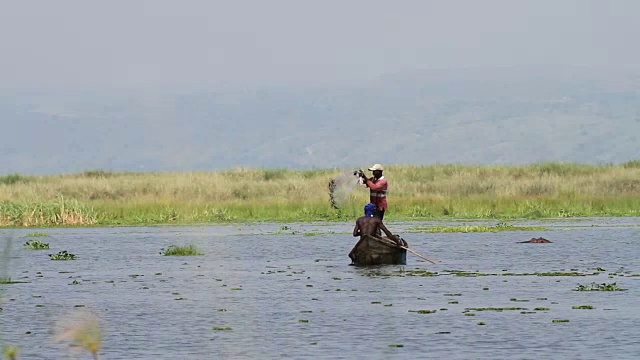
(464, 273)
(63, 255)
(8, 281)
(424, 311)
(583, 307)
(35, 244)
(37, 234)
(495, 309)
(185, 250)
(475, 228)
(599, 287)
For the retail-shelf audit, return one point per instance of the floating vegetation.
(396, 345)
(222, 329)
(518, 300)
(8, 281)
(541, 309)
(303, 320)
(186, 250)
(599, 287)
(475, 228)
(560, 273)
(495, 309)
(452, 294)
(420, 273)
(423, 311)
(559, 321)
(581, 307)
(34, 244)
(470, 274)
(63, 255)
(469, 314)
(37, 234)
(453, 302)
(481, 323)
(464, 273)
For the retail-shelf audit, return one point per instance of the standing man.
(377, 190)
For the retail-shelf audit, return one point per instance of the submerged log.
(539, 240)
(374, 250)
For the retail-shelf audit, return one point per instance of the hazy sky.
(132, 42)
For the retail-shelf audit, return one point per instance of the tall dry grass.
(537, 190)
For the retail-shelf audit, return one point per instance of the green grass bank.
(98, 198)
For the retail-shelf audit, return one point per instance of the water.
(289, 293)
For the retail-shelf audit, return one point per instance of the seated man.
(372, 225)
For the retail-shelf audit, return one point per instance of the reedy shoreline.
(97, 198)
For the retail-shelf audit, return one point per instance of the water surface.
(289, 292)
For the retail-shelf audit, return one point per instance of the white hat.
(376, 167)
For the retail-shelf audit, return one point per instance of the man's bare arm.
(356, 229)
(386, 231)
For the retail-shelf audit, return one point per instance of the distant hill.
(513, 115)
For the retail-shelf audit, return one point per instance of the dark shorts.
(379, 214)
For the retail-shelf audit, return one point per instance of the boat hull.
(374, 250)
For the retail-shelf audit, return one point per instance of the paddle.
(418, 255)
(410, 250)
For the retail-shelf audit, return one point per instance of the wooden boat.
(375, 250)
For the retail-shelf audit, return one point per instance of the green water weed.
(423, 311)
(599, 287)
(63, 255)
(35, 244)
(37, 234)
(184, 250)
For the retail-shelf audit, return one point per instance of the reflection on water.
(273, 291)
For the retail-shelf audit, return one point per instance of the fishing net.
(341, 190)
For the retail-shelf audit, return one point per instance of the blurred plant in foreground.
(10, 352)
(81, 330)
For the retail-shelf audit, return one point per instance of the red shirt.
(378, 192)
